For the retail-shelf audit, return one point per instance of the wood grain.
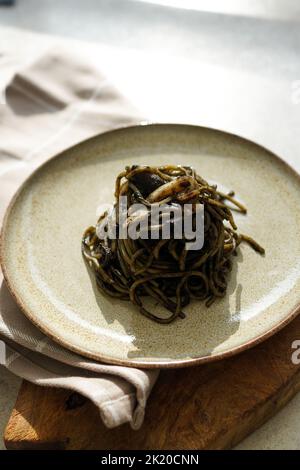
(212, 406)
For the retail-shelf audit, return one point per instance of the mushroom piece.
(146, 181)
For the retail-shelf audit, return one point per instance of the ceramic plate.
(45, 271)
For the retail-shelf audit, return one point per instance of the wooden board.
(212, 406)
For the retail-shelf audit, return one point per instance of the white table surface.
(233, 70)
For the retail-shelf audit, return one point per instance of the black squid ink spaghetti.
(163, 268)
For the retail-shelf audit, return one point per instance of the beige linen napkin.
(56, 102)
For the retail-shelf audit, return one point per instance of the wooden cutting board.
(212, 406)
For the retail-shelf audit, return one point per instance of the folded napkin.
(54, 103)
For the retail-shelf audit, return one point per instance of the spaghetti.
(164, 269)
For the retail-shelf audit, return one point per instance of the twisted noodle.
(163, 269)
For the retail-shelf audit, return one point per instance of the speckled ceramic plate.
(43, 265)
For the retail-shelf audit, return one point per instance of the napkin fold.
(60, 100)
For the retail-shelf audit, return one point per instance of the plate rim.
(150, 364)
